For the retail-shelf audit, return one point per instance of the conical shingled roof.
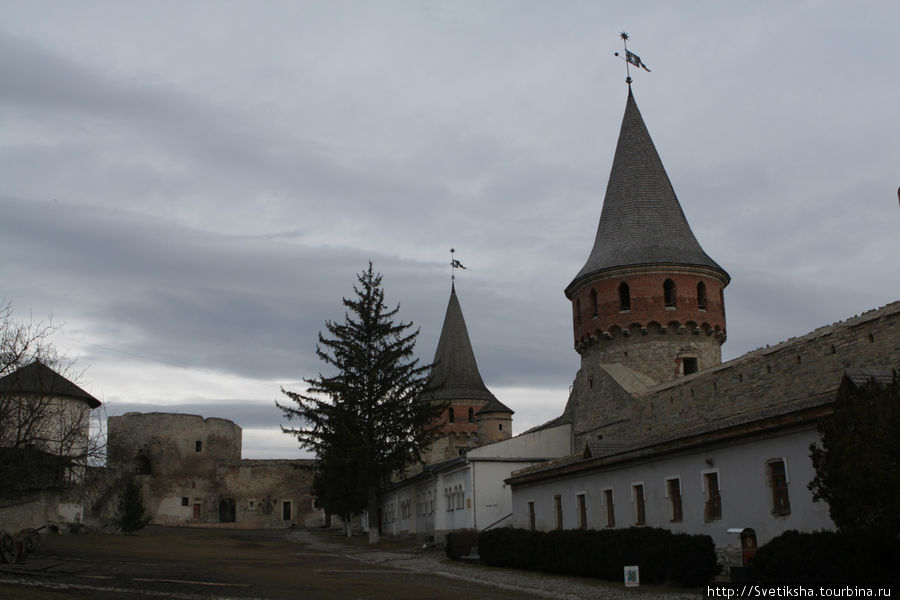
(455, 370)
(39, 379)
(642, 222)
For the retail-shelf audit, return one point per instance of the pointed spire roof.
(642, 222)
(455, 368)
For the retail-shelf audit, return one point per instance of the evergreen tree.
(368, 420)
(131, 516)
(858, 464)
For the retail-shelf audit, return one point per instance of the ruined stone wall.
(266, 491)
(174, 457)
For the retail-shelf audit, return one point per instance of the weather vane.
(454, 264)
(630, 58)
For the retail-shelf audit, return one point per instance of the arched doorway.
(226, 510)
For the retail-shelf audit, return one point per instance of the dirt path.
(199, 564)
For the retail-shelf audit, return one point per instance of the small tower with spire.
(648, 296)
(458, 383)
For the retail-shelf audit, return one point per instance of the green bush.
(689, 560)
(692, 559)
(460, 543)
(828, 557)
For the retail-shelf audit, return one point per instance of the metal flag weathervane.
(630, 58)
(454, 264)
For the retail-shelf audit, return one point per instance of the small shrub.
(828, 557)
(692, 559)
(689, 560)
(460, 543)
(131, 516)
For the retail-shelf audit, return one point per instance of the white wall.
(745, 492)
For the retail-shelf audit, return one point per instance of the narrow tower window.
(594, 307)
(471, 415)
(669, 292)
(450, 416)
(578, 311)
(701, 296)
(624, 297)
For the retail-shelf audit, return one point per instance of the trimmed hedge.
(689, 560)
(828, 557)
(460, 543)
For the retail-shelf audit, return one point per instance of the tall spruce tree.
(368, 420)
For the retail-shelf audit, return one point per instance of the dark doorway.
(286, 510)
(197, 511)
(226, 510)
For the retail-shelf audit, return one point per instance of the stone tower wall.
(493, 427)
(649, 336)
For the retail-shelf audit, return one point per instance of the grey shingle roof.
(39, 379)
(495, 406)
(642, 222)
(455, 370)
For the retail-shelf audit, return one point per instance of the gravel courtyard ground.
(202, 564)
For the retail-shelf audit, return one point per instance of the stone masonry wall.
(792, 372)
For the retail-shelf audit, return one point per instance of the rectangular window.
(640, 517)
(185, 501)
(286, 510)
(531, 515)
(252, 504)
(781, 503)
(557, 503)
(610, 509)
(673, 489)
(582, 512)
(198, 446)
(713, 509)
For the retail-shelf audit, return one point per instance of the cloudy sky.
(190, 187)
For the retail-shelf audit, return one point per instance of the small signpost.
(632, 576)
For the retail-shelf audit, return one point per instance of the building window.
(594, 308)
(198, 446)
(185, 501)
(701, 296)
(142, 465)
(781, 503)
(669, 292)
(557, 504)
(578, 311)
(640, 516)
(610, 509)
(624, 297)
(252, 505)
(499, 426)
(582, 511)
(531, 515)
(673, 489)
(286, 510)
(691, 364)
(713, 509)
(450, 416)
(471, 415)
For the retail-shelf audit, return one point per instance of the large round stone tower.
(648, 296)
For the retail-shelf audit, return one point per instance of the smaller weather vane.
(630, 58)
(454, 264)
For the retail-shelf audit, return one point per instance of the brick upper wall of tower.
(647, 304)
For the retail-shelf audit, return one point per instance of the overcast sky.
(190, 187)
